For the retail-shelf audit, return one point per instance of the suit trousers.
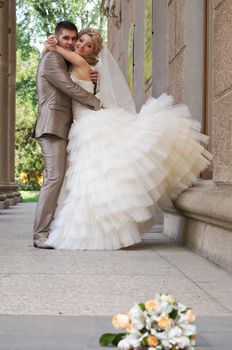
(54, 155)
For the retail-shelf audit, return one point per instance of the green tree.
(28, 157)
(35, 20)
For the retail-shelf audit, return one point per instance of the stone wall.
(192, 54)
(202, 217)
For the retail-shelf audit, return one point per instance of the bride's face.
(84, 45)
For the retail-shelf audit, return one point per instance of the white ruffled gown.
(120, 166)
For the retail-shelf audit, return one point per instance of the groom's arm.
(56, 73)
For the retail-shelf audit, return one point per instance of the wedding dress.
(121, 166)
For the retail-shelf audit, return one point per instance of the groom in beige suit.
(55, 90)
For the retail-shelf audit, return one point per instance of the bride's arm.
(72, 57)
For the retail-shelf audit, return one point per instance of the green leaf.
(142, 306)
(111, 338)
(118, 337)
(144, 342)
(173, 314)
(143, 330)
(106, 339)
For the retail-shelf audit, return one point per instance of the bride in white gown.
(121, 164)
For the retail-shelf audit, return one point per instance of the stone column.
(139, 55)
(176, 49)
(4, 54)
(13, 193)
(222, 90)
(127, 20)
(194, 60)
(114, 32)
(11, 89)
(160, 47)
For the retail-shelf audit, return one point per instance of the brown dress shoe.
(41, 243)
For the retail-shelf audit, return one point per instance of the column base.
(4, 203)
(202, 220)
(9, 195)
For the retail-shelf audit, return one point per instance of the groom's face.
(67, 39)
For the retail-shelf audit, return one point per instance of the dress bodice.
(78, 109)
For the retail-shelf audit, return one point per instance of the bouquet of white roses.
(159, 324)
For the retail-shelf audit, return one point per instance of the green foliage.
(28, 157)
(144, 342)
(38, 18)
(142, 306)
(35, 20)
(173, 314)
(111, 339)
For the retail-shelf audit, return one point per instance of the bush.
(30, 181)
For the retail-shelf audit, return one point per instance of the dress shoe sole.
(41, 246)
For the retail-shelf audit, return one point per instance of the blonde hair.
(97, 44)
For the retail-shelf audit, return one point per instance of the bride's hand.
(51, 40)
(50, 44)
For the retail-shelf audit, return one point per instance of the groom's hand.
(94, 76)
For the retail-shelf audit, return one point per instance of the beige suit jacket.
(55, 90)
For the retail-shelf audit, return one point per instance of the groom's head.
(66, 35)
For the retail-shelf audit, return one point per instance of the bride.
(121, 165)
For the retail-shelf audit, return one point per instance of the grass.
(30, 196)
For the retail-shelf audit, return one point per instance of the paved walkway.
(65, 299)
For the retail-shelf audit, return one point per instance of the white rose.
(120, 321)
(163, 307)
(171, 298)
(130, 342)
(183, 319)
(136, 312)
(124, 344)
(166, 344)
(135, 333)
(150, 304)
(189, 329)
(174, 332)
(134, 341)
(138, 324)
(137, 317)
(149, 323)
(183, 342)
(191, 316)
(181, 307)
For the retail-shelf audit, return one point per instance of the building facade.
(8, 189)
(184, 47)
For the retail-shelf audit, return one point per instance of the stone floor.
(65, 299)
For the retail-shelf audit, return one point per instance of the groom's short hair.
(65, 25)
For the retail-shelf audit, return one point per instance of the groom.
(55, 90)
